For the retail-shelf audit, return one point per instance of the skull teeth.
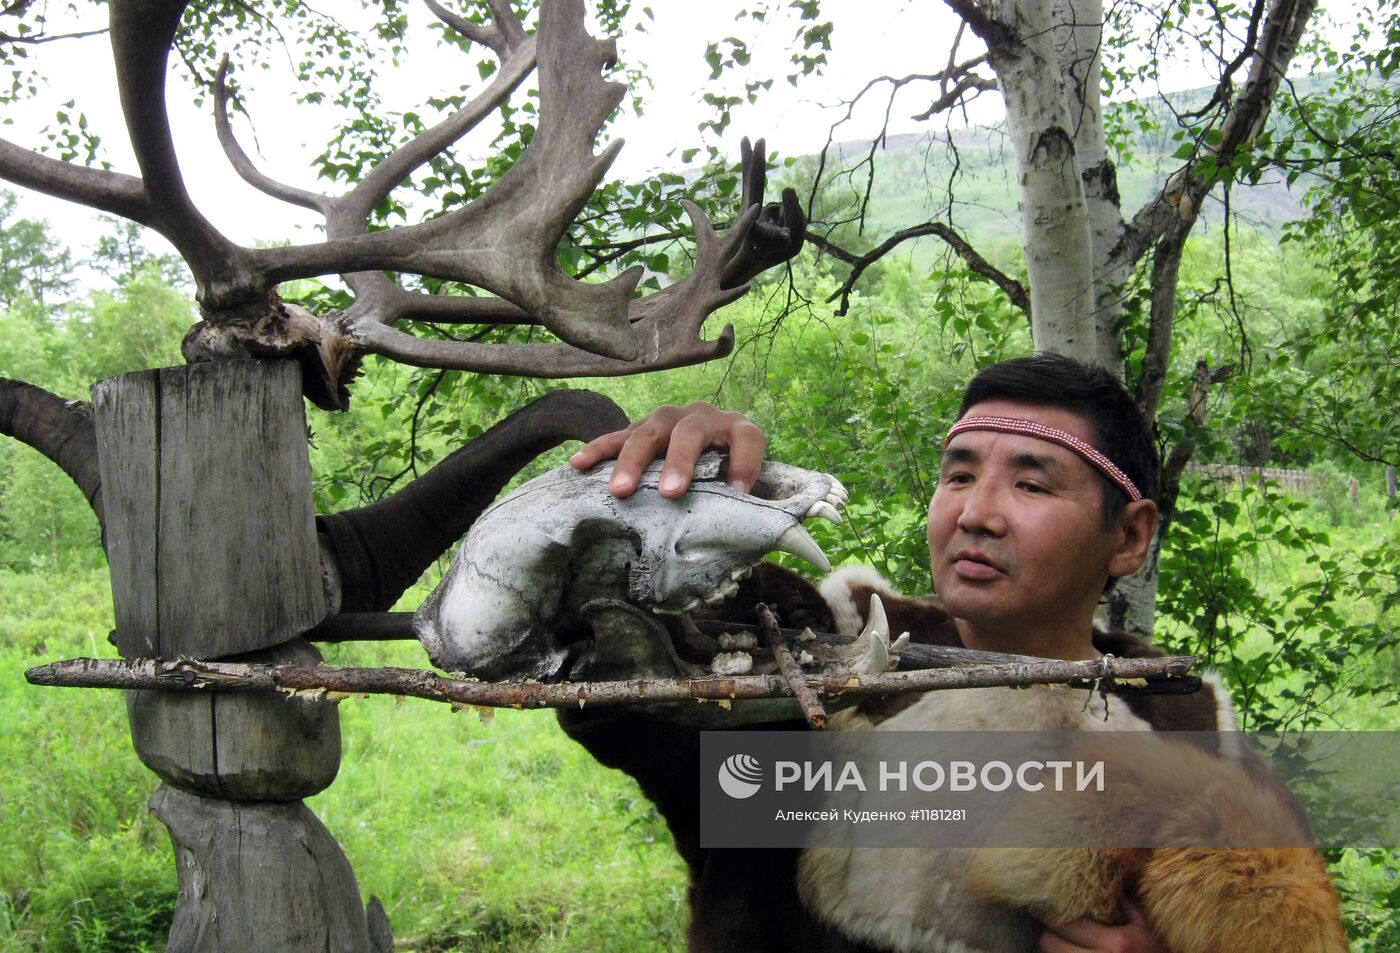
(876, 623)
(826, 511)
(838, 491)
(732, 663)
(798, 542)
(730, 641)
(872, 646)
(876, 658)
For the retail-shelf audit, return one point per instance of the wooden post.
(206, 482)
(211, 540)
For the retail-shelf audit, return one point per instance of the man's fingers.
(1090, 936)
(690, 437)
(682, 434)
(599, 449)
(747, 444)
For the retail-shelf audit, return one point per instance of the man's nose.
(981, 510)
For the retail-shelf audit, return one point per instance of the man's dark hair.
(1051, 380)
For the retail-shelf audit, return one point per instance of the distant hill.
(911, 180)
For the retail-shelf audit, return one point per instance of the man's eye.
(1033, 487)
(957, 478)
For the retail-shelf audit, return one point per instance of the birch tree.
(1089, 260)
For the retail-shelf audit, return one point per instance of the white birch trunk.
(1081, 69)
(1070, 208)
(1054, 213)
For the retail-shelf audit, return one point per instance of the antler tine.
(244, 166)
(506, 35)
(526, 211)
(669, 321)
(351, 210)
(142, 32)
(781, 228)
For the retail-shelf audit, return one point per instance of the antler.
(504, 242)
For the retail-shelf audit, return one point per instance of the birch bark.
(1056, 234)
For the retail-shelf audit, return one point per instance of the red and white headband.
(1029, 428)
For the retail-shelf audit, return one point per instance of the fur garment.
(1198, 900)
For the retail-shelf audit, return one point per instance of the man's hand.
(1090, 936)
(682, 434)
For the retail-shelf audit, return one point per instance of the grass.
(477, 836)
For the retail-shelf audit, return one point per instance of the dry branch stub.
(206, 483)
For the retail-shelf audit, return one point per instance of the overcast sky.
(872, 38)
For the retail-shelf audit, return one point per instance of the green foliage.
(84, 866)
(34, 267)
(479, 836)
(138, 325)
(1344, 379)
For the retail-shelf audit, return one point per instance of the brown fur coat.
(965, 901)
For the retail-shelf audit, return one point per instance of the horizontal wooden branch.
(398, 626)
(184, 675)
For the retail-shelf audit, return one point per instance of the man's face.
(1015, 530)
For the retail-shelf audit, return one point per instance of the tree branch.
(1202, 380)
(34, 39)
(188, 675)
(1166, 265)
(503, 37)
(1181, 196)
(113, 192)
(1013, 289)
(142, 33)
(951, 97)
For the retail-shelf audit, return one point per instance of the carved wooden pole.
(212, 544)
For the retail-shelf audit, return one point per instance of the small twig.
(335, 683)
(797, 681)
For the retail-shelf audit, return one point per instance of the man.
(1045, 494)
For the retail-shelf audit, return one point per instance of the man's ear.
(1133, 537)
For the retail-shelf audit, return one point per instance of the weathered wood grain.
(212, 539)
(264, 746)
(124, 412)
(259, 876)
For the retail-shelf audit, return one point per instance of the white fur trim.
(1226, 721)
(836, 590)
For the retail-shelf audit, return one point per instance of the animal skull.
(535, 568)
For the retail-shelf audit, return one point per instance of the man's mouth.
(976, 565)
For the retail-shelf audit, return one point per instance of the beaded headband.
(1029, 428)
